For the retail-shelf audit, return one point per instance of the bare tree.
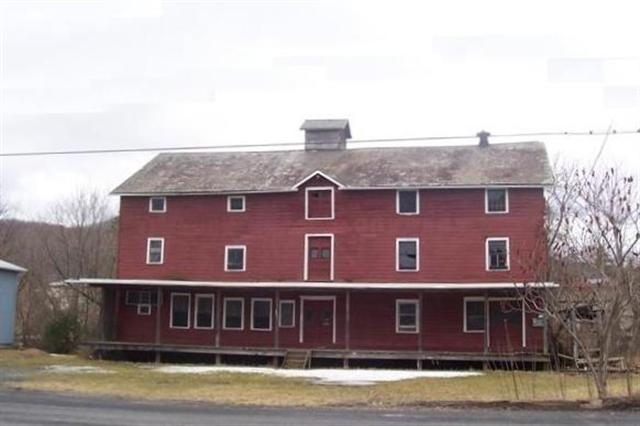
(6, 231)
(593, 236)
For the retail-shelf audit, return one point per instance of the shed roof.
(510, 164)
(6, 266)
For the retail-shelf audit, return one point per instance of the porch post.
(347, 326)
(158, 322)
(276, 325)
(420, 327)
(218, 319)
(116, 314)
(486, 323)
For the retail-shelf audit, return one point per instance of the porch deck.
(341, 354)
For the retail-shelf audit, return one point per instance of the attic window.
(236, 203)
(407, 202)
(319, 203)
(157, 204)
(496, 201)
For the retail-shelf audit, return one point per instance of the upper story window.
(155, 251)
(407, 202)
(235, 258)
(407, 316)
(496, 201)
(319, 203)
(497, 254)
(236, 203)
(157, 204)
(407, 254)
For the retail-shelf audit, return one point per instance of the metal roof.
(6, 266)
(510, 164)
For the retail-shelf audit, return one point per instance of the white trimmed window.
(236, 203)
(204, 317)
(157, 204)
(261, 314)
(407, 202)
(407, 254)
(233, 313)
(407, 313)
(140, 297)
(155, 251)
(474, 310)
(287, 314)
(496, 200)
(497, 254)
(180, 310)
(319, 203)
(235, 258)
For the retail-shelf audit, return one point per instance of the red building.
(404, 253)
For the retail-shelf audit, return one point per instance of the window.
(155, 251)
(261, 314)
(236, 203)
(157, 204)
(234, 258)
(473, 315)
(233, 313)
(497, 254)
(319, 203)
(407, 316)
(180, 310)
(287, 315)
(141, 297)
(407, 202)
(407, 254)
(496, 201)
(144, 309)
(204, 311)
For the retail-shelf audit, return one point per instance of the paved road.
(32, 408)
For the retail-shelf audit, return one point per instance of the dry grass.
(129, 380)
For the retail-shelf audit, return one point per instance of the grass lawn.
(27, 369)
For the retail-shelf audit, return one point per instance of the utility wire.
(609, 132)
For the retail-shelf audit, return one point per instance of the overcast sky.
(126, 74)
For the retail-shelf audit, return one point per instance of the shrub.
(62, 333)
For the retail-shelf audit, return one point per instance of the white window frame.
(488, 258)
(464, 314)
(408, 239)
(226, 258)
(291, 302)
(417, 192)
(224, 313)
(244, 203)
(143, 309)
(149, 240)
(414, 302)
(506, 200)
(164, 205)
(262, 299)
(213, 311)
(306, 254)
(306, 202)
(188, 311)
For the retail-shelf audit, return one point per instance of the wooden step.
(297, 359)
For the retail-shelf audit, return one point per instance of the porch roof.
(312, 285)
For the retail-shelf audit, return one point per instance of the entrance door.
(317, 323)
(319, 259)
(505, 326)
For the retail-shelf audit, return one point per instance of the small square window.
(474, 319)
(407, 258)
(497, 254)
(144, 309)
(287, 316)
(155, 251)
(235, 258)
(157, 204)
(236, 203)
(407, 316)
(496, 201)
(407, 202)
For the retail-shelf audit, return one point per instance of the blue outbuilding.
(8, 300)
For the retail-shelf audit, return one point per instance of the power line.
(292, 144)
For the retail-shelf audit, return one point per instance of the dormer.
(323, 135)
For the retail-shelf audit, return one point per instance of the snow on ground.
(74, 369)
(353, 377)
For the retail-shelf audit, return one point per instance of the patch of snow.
(75, 369)
(60, 355)
(353, 377)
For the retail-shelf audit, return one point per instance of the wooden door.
(318, 324)
(505, 326)
(319, 259)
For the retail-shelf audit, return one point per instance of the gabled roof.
(512, 164)
(6, 266)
